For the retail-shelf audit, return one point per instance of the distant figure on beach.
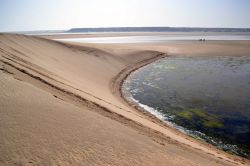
(202, 40)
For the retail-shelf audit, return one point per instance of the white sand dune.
(60, 105)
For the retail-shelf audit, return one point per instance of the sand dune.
(60, 105)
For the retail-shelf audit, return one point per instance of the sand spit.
(60, 105)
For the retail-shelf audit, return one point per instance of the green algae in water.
(207, 120)
(186, 115)
(213, 124)
(190, 113)
(208, 97)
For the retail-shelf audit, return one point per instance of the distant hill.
(157, 29)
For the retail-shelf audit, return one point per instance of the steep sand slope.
(37, 128)
(58, 106)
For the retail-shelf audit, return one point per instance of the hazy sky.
(21, 15)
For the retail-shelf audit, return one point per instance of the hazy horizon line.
(65, 30)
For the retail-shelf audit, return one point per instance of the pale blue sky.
(22, 15)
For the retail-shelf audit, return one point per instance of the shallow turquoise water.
(205, 97)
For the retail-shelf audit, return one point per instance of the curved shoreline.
(118, 80)
(117, 84)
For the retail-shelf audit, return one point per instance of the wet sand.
(61, 104)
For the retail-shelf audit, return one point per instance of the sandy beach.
(61, 104)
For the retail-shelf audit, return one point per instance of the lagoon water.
(205, 97)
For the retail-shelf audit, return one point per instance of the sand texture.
(60, 104)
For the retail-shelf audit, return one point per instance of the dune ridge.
(47, 82)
